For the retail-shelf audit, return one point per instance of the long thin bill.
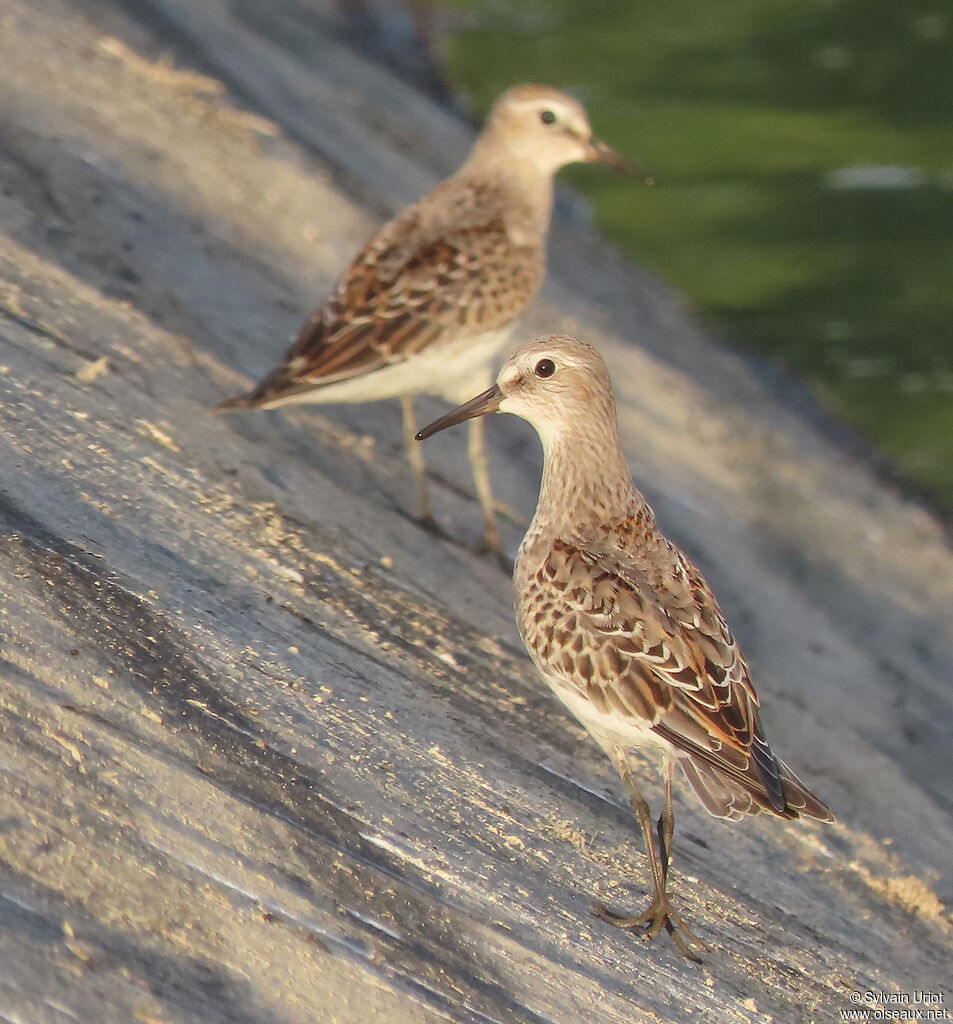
(600, 153)
(489, 401)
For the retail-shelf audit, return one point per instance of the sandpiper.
(622, 625)
(427, 304)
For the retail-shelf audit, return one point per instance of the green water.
(749, 112)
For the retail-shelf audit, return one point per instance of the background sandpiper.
(427, 304)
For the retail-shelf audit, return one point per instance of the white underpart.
(610, 727)
(455, 370)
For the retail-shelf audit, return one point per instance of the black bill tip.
(485, 403)
(600, 153)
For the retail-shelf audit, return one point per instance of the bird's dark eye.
(547, 117)
(545, 368)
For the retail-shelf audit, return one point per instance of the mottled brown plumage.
(426, 305)
(448, 268)
(621, 623)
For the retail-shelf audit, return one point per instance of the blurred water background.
(804, 157)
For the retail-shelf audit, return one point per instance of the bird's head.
(548, 129)
(559, 384)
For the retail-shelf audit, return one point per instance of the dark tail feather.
(274, 390)
(800, 799)
(238, 402)
(729, 795)
(278, 388)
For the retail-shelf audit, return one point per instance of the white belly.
(610, 727)
(456, 370)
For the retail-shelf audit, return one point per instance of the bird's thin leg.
(665, 826)
(481, 479)
(659, 913)
(415, 456)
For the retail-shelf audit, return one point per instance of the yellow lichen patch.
(147, 1018)
(160, 71)
(100, 506)
(909, 892)
(88, 372)
(291, 575)
(151, 430)
(576, 837)
(70, 747)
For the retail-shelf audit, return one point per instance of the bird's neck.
(527, 187)
(586, 484)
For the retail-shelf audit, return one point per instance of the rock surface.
(273, 754)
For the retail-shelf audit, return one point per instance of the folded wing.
(437, 273)
(643, 637)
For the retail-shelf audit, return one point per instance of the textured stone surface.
(271, 753)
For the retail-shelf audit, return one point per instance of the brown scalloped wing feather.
(419, 282)
(641, 634)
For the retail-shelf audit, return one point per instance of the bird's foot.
(491, 545)
(428, 523)
(651, 921)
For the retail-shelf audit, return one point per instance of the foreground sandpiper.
(427, 304)
(622, 625)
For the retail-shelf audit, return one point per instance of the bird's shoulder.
(459, 221)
